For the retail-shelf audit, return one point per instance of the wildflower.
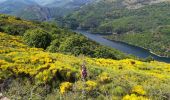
(139, 90)
(104, 78)
(134, 97)
(65, 87)
(91, 85)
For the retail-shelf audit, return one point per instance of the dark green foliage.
(1, 30)
(146, 27)
(15, 29)
(77, 44)
(110, 18)
(14, 25)
(49, 36)
(106, 53)
(37, 38)
(54, 46)
(164, 30)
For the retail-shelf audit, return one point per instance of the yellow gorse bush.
(134, 97)
(104, 78)
(13, 20)
(90, 86)
(139, 90)
(16, 58)
(35, 62)
(65, 87)
(3, 62)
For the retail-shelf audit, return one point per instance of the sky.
(2, 0)
(41, 2)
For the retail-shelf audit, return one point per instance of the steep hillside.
(56, 39)
(35, 12)
(32, 73)
(26, 9)
(39, 9)
(135, 4)
(11, 7)
(108, 17)
(63, 3)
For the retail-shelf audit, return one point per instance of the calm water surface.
(126, 48)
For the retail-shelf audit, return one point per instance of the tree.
(37, 38)
(54, 46)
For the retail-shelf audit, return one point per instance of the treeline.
(106, 17)
(138, 27)
(54, 39)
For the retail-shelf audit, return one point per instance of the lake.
(124, 47)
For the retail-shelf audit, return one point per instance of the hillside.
(26, 9)
(32, 73)
(135, 4)
(41, 10)
(54, 39)
(127, 25)
(40, 61)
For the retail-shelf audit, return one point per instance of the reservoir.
(124, 47)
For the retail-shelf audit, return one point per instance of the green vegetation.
(32, 73)
(157, 42)
(54, 39)
(138, 27)
(40, 61)
(37, 38)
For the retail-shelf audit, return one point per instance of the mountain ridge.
(42, 10)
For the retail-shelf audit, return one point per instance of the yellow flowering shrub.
(134, 97)
(44, 76)
(139, 90)
(65, 87)
(104, 78)
(90, 86)
(2, 62)
(17, 59)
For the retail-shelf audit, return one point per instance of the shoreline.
(137, 51)
(103, 36)
(138, 47)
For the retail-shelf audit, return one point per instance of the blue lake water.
(124, 47)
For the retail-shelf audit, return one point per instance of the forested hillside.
(41, 10)
(141, 27)
(54, 39)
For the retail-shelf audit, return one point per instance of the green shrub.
(54, 46)
(77, 44)
(119, 91)
(15, 29)
(37, 38)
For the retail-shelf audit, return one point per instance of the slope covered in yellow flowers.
(31, 73)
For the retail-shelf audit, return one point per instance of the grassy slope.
(25, 69)
(103, 17)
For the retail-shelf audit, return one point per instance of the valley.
(26, 66)
(124, 47)
(85, 49)
(39, 10)
(146, 27)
